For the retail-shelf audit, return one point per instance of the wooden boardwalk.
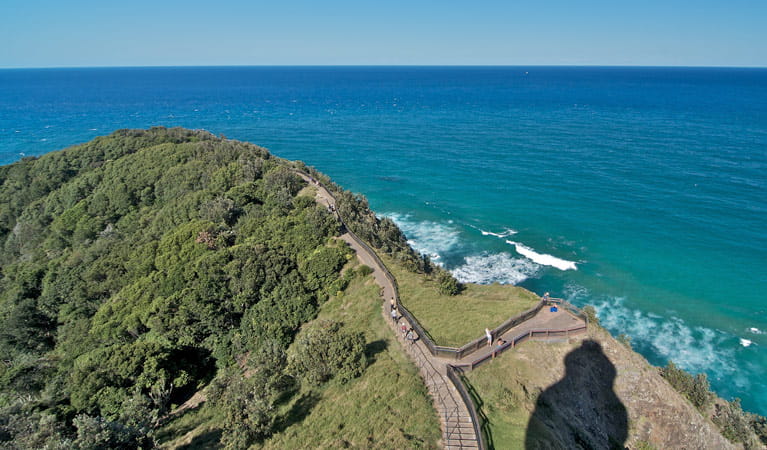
(545, 325)
(458, 428)
(457, 417)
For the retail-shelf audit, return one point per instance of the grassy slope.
(388, 407)
(456, 320)
(509, 387)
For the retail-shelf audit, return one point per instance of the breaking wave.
(543, 259)
(505, 233)
(495, 268)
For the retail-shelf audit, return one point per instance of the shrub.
(734, 423)
(98, 433)
(591, 314)
(447, 284)
(364, 270)
(322, 266)
(248, 406)
(759, 425)
(326, 351)
(695, 388)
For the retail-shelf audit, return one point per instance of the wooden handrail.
(476, 419)
(419, 329)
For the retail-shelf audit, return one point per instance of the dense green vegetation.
(144, 265)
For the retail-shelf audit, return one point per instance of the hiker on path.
(489, 336)
(394, 315)
(411, 336)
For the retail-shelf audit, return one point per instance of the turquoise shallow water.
(639, 190)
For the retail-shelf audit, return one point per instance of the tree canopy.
(138, 267)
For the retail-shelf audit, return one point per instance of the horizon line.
(379, 65)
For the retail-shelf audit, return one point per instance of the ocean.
(641, 191)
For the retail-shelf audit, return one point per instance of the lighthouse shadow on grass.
(580, 411)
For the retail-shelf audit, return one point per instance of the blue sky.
(56, 33)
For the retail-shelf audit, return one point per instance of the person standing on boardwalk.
(489, 336)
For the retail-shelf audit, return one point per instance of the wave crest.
(505, 233)
(543, 259)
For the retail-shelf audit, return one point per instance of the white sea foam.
(427, 237)
(745, 342)
(695, 349)
(543, 259)
(495, 268)
(755, 330)
(505, 233)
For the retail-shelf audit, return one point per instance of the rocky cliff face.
(594, 392)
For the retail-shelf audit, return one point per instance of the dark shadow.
(288, 387)
(485, 424)
(199, 364)
(298, 412)
(374, 348)
(580, 411)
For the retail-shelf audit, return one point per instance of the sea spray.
(489, 268)
(430, 238)
(662, 338)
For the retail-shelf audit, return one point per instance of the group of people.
(407, 331)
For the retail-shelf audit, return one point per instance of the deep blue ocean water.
(639, 190)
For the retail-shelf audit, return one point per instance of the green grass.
(503, 400)
(308, 190)
(506, 390)
(456, 320)
(387, 407)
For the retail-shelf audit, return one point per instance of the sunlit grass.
(387, 407)
(502, 398)
(455, 320)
